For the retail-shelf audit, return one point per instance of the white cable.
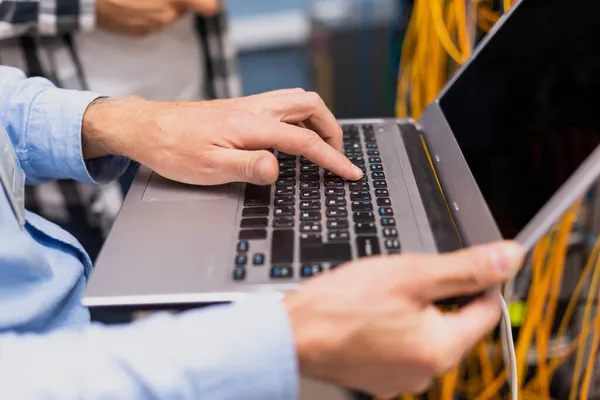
(508, 347)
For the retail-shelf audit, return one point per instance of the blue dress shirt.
(48, 349)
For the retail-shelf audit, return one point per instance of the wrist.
(110, 126)
(310, 336)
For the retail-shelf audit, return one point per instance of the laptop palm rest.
(163, 189)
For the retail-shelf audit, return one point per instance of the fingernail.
(357, 171)
(507, 257)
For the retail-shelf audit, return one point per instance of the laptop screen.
(526, 110)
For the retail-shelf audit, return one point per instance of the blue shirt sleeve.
(244, 350)
(44, 123)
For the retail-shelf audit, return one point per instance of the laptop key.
(252, 234)
(285, 182)
(334, 192)
(287, 164)
(338, 236)
(308, 205)
(241, 260)
(279, 272)
(258, 259)
(386, 211)
(392, 244)
(282, 246)
(309, 176)
(309, 194)
(384, 202)
(310, 216)
(309, 168)
(388, 222)
(310, 227)
(284, 211)
(367, 246)
(329, 174)
(255, 195)
(339, 212)
(334, 182)
(309, 185)
(309, 270)
(364, 227)
(374, 160)
(283, 222)
(255, 211)
(359, 186)
(362, 206)
(287, 172)
(243, 246)
(382, 193)
(284, 190)
(371, 146)
(254, 222)
(377, 175)
(324, 252)
(360, 196)
(284, 201)
(364, 216)
(390, 232)
(335, 201)
(285, 157)
(380, 184)
(376, 167)
(337, 224)
(372, 152)
(239, 274)
(310, 238)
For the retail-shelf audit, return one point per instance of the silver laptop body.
(174, 244)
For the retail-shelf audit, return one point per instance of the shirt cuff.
(54, 133)
(248, 347)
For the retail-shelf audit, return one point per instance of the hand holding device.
(372, 324)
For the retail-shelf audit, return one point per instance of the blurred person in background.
(158, 49)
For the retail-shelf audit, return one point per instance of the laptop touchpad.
(163, 189)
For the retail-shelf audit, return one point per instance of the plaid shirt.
(38, 30)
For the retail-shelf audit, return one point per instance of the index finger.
(467, 272)
(293, 106)
(300, 141)
(468, 325)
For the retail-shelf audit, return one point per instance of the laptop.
(509, 144)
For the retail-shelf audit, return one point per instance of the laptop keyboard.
(315, 218)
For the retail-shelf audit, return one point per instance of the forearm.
(245, 350)
(46, 18)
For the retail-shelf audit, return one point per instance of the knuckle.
(314, 99)
(309, 140)
(246, 167)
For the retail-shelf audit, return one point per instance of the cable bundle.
(440, 37)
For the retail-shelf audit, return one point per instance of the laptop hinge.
(445, 231)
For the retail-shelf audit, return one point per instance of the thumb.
(257, 167)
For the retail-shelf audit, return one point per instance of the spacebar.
(334, 252)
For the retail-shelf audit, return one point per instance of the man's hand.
(136, 17)
(203, 7)
(215, 142)
(145, 17)
(372, 324)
